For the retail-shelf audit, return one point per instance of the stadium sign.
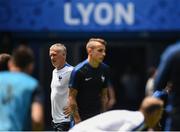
(113, 13)
(90, 16)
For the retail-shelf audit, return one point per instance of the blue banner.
(90, 15)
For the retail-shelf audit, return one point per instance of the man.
(123, 120)
(19, 94)
(4, 58)
(89, 81)
(168, 72)
(59, 88)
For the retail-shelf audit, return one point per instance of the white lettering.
(121, 12)
(68, 17)
(98, 14)
(101, 13)
(85, 12)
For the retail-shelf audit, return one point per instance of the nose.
(52, 57)
(104, 53)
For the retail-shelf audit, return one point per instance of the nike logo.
(102, 78)
(87, 79)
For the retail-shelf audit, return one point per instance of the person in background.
(89, 82)
(146, 117)
(20, 96)
(130, 82)
(59, 88)
(4, 59)
(168, 75)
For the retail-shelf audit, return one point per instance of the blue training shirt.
(16, 91)
(89, 82)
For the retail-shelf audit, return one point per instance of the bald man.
(148, 116)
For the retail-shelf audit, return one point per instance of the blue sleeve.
(75, 79)
(163, 95)
(160, 94)
(38, 95)
(163, 72)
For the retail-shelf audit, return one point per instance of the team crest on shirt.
(102, 78)
(59, 78)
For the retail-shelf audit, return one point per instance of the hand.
(68, 110)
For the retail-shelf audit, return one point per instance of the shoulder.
(80, 66)
(171, 50)
(137, 116)
(69, 67)
(79, 69)
(5, 75)
(103, 65)
(54, 71)
(31, 79)
(17, 77)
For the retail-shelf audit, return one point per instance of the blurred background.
(137, 32)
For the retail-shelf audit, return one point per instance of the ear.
(10, 64)
(89, 50)
(30, 68)
(64, 56)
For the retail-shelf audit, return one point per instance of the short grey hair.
(61, 47)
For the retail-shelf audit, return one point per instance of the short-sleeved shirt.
(89, 82)
(16, 93)
(59, 93)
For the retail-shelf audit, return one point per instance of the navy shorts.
(63, 126)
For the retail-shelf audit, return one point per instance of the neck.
(15, 69)
(93, 63)
(60, 67)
